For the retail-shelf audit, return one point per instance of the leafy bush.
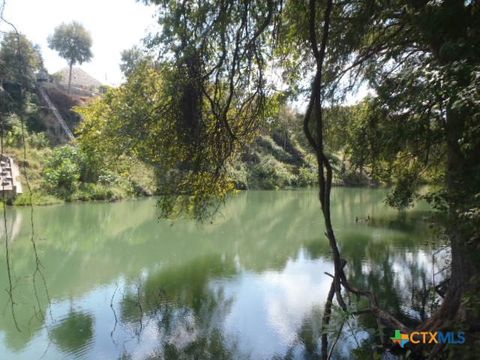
(38, 140)
(271, 174)
(89, 191)
(108, 178)
(307, 176)
(62, 171)
(238, 172)
(67, 166)
(14, 136)
(16, 131)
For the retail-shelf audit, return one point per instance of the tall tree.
(131, 59)
(73, 43)
(423, 61)
(19, 60)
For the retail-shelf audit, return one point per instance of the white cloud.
(269, 308)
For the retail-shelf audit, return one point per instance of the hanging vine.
(38, 265)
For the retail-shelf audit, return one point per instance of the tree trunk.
(459, 309)
(464, 233)
(70, 78)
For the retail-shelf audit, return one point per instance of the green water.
(251, 284)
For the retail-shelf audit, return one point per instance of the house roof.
(79, 78)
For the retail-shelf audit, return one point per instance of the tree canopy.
(73, 43)
(216, 64)
(19, 59)
(131, 59)
(420, 61)
(141, 119)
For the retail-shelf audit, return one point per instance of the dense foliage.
(131, 59)
(19, 60)
(213, 61)
(62, 171)
(142, 119)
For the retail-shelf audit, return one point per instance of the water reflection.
(177, 306)
(250, 285)
(14, 224)
(228, 313)
(74, 333)
(270, 309)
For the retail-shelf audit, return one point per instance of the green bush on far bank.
(71, 174)
(37, 198)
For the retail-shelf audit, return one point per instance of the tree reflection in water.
(183, 309)
(192, 306)
(251, 285)
(74, 332)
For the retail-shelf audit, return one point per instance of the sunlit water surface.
(251, 284)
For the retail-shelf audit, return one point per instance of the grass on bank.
(133, 179)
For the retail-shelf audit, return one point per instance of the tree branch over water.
(422, 61)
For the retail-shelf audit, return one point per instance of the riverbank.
(279, 158)
(64, 174)
(58, 175)
(55, 176)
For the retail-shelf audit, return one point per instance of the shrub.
(238, 172)
(307, 176)
(66, 167)
(62, 171)
(90, 191)
(14, 136)
(271, 174)
(38, 140)
(108, 178)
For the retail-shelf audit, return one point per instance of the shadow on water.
(249, 285)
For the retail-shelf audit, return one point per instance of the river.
(250, 284)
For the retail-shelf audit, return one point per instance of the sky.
(114, 25)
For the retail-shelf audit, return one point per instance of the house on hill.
(82, 82)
